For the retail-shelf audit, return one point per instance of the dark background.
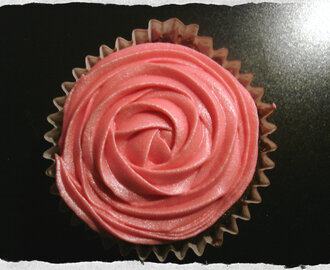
(40, 44)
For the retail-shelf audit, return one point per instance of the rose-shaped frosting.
(158, 141)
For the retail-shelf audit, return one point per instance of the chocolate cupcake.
(161, 143)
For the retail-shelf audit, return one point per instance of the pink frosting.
(158, 141)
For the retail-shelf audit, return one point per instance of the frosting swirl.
(158, 141)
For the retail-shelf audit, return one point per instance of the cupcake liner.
(174, 31)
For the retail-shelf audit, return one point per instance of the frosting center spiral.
(158, 141)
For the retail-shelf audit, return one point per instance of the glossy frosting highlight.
(158, 141)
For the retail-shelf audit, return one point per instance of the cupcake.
(161, 143)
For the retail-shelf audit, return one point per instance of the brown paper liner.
(174, 31)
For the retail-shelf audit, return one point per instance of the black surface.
(40, 44)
